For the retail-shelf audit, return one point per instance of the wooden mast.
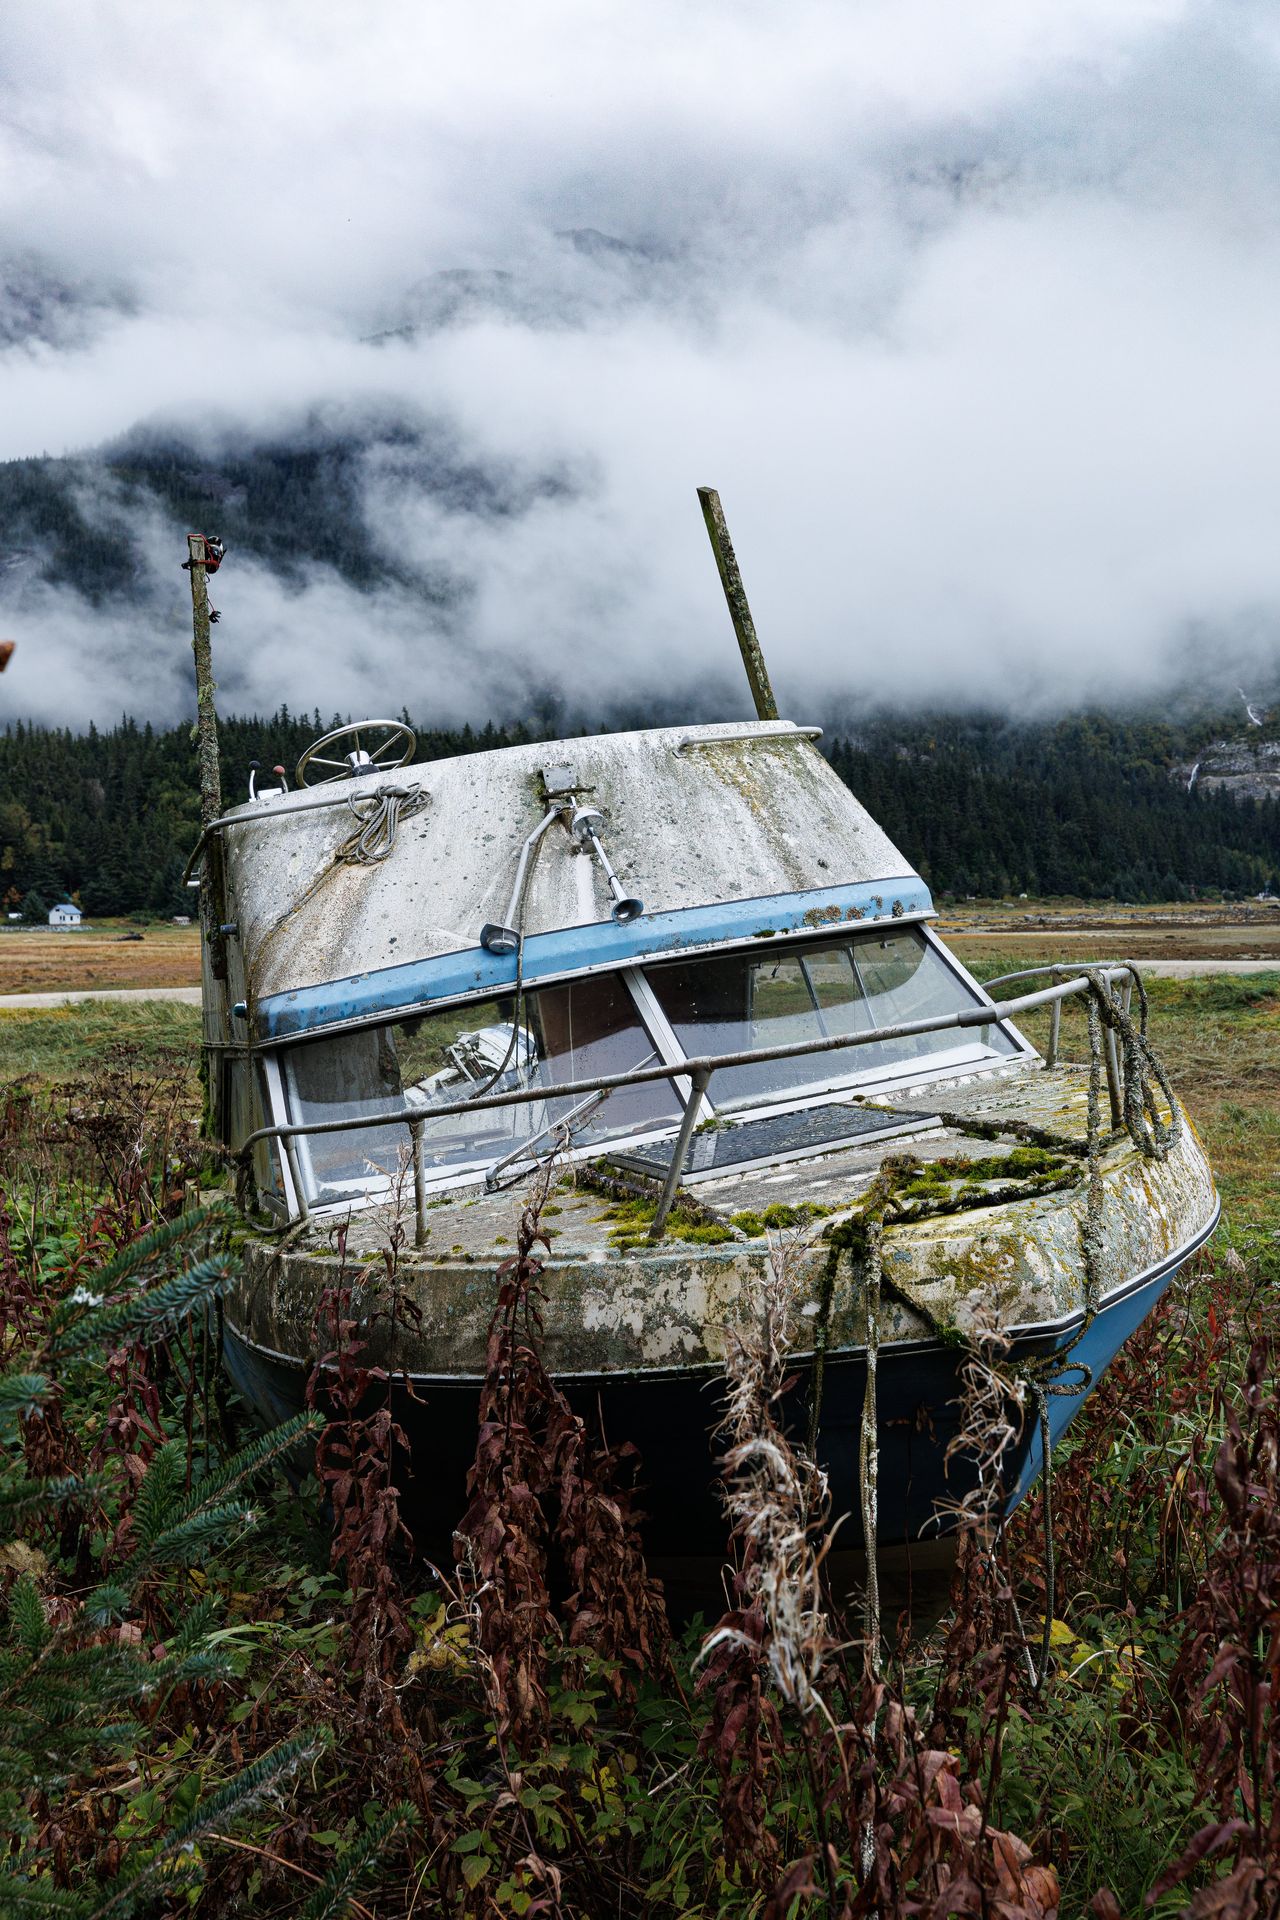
(739, 612)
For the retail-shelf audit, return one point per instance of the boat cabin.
(543, 916)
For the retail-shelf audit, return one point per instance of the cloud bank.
(968, 312)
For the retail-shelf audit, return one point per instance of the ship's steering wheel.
(395, 744)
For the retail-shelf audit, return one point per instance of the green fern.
(159, 1243)
(21, 1395)
(172, 1530)
(72, 1691)
(149, 1313)
(26, 1612)
(332, 1898)
(264, 1451)
(25, 1499)
(170, 1864)
(20, 1895)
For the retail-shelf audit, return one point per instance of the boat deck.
(982, 1238)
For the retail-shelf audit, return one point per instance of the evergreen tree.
(74, 1689)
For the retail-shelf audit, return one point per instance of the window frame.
(955, 1062)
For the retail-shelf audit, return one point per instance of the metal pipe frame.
(510, 928)
(420, 1228)
(492, 1183)
(679, 1153)
(1060, 966)
(1127, 973)
(1055, 1035)
(784, 731)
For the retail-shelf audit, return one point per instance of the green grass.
(62, 1043)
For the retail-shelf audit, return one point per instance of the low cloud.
(968, 313)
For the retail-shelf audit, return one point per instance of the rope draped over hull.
(1036, 1378)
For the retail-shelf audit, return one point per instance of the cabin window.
(583, 1029)
(736, 1001)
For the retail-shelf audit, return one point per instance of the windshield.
(737, 1001)
(573, 1032)
(583, 1029)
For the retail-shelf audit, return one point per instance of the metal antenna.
(739, 612)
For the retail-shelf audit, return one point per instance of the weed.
(558, 1751)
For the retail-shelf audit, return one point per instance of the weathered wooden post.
(204, 556)
(739, 612)
(198, 549)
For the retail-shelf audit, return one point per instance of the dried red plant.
(1225, 1679)
(540, 1478)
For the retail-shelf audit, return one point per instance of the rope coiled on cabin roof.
(379, 815)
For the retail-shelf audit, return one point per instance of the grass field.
(36, 960)
(472, 1757)
(51, 1044)
(1069, 930)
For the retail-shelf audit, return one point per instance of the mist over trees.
(1085, 806)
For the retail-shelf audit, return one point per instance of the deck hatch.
(782, 1136)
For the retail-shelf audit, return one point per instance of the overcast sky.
(970, 312)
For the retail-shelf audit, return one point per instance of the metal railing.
(1107, 968)
(699, 1068)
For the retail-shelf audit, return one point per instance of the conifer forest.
(1092, 806)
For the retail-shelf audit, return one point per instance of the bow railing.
(699, 1069)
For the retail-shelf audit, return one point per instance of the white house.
(65, 915)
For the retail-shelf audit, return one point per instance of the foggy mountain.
(967, 313)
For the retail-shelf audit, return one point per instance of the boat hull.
(671, 1418)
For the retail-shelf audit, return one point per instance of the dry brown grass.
(38, 960)
(1021, 928)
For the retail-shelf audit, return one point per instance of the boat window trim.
(956, 1063)
(814, 1001)
(957, 966)
(658, 1027)
(281, 1116)
(746, 943)
(292, 1099)
(664, 1051)
(900, 1076)
(923, 1068)
(920, 1068)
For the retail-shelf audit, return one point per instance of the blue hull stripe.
(570, 950)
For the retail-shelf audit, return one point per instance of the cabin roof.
(725, 832)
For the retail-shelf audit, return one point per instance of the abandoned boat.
(688, 966)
